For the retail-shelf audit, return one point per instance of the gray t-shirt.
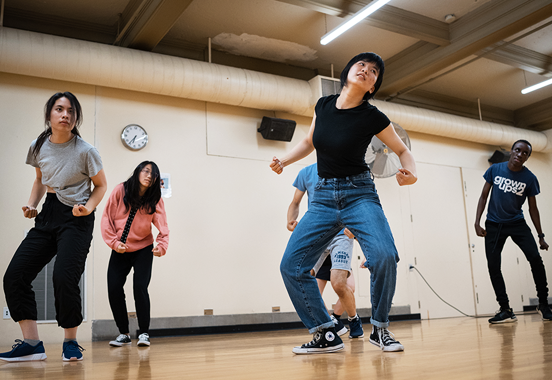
(67, 168)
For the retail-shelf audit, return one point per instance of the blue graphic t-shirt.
(509, 191)
(306, 181)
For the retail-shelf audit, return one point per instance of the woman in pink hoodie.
(132, 208)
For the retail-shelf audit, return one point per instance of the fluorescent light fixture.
(536, 86)
(355, 19)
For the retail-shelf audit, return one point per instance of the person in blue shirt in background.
(511, 184)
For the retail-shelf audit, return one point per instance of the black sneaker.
(385, 340)
(24, 352)
(504, 316)
(355, 327)
(121, 340)
(339, 326)
(143, 339)
(545, 312)
(323, 342)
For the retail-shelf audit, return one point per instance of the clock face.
(134, 137)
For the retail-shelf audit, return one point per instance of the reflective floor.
(453, 348)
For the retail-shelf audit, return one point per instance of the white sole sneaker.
(114, 343)
(26, 358)
(302, 350)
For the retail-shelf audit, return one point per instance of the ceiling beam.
(536, 116)
(58, 26)
(521, 58)
(146, 22)
(487, 25)
(388, 18)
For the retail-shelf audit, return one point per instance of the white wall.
(227, 213)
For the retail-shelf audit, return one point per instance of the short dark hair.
(525, 142)
(366, 57)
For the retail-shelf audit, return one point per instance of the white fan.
(381, 160)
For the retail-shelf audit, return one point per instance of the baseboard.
(106, 329)
(256, 327)
(533, 302)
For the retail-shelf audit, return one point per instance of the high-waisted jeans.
(350, 202)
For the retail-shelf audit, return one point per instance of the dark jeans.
(120, 265)
(56, 233)
(519, 231)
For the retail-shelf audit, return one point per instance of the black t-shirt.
(341, 137)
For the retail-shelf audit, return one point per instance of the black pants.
(519, 231)
(56, 233)
(120, 265)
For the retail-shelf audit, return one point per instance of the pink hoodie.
(114, 220)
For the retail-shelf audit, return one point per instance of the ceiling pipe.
(461, 128)
(59, 58)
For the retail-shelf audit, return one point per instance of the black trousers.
(519, 231)
(56, 233)
(120, 265)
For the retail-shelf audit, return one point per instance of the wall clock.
(134, 137)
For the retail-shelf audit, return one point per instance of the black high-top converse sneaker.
(323, 342)
(385, 340)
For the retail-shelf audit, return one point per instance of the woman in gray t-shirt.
(66, 167)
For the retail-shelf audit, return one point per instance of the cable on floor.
(455, 308)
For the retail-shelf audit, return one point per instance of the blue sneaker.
(72, 351)
(24, 352)
(355, 328)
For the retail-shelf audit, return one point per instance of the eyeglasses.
(149, 173)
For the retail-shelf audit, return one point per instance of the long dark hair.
(151, 197)
(77, 113)
(366, 57)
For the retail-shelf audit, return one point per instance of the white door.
(440, 242)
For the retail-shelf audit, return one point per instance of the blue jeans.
(350, 202)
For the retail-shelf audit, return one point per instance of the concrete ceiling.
(481, 59)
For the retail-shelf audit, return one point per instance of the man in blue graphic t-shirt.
(511, 184)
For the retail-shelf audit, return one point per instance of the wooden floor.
(453, 348)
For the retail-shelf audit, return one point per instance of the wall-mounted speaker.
(499, 156)
(277, 129)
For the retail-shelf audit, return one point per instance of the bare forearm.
(37, 192)
(96, 197)
(293, 212)
(299, 151)
(535, 217)
(408, 162)
(480, 207)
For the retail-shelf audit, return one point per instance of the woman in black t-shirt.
(345, 196)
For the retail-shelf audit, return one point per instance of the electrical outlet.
(6, 313)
